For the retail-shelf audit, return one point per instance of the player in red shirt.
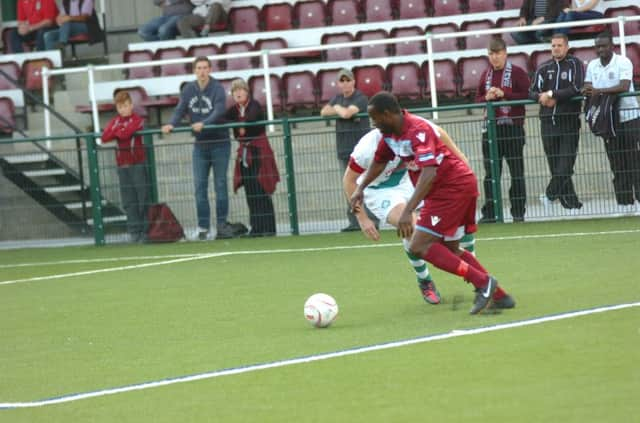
(449, 190)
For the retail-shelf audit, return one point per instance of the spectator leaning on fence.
(503, 81)
(165, 27)
(132, 168)
(555, 82)
(76, 17)
(612, 74)
(349, 126)
(580, 10)
(204, 14)
(35, 18)
(536, 12)
(204, 101)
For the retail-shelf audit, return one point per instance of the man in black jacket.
(555, 82)
(536, 12)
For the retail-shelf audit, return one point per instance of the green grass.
(106, 330)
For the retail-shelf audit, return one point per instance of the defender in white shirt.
(611, 73)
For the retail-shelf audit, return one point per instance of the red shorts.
(443, 214)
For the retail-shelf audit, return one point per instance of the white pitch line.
(295, 250)
(309, 359)
(97, 260)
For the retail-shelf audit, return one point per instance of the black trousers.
(134, 190)
(261, 214)
(560, 137)
(624, 159)
(510, 139)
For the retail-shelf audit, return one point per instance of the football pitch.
(214, 331)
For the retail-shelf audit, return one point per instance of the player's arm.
(366, 225)
(446, 140)
(374, 170)
(423, 186)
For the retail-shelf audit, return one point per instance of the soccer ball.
(320, 310)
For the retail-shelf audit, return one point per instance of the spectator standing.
(204, 14)
(255, 167)
(555, 82)
(503, 81)
(132, 167)
(76, 17)
(580, 10)
(536, 12)
(612, 74)
(349, 126)
(203, 100)
(165, 27)
(35, 18)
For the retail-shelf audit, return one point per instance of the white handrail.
(620, 20)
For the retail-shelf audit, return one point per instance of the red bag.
(163, 225)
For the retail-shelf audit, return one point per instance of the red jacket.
(268, 176)
(130, 148)
(36, 11)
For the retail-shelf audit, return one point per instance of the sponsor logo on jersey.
(421, 136)
(435, 220)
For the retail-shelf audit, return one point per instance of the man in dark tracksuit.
(556, 81)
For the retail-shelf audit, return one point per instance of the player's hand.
(355, 202)
(167, 128)
(369, 228)
(197, 127)
(405, 225)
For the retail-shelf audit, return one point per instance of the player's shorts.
(449, 216)
(380, 201)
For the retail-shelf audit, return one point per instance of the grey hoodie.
(206, 106)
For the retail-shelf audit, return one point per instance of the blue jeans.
(575, 16)
(160, 28)
(16, 40)
(62, 34)
(206, 156)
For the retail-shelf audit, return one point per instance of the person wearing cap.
(350, 127)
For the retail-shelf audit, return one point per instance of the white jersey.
(362, 156)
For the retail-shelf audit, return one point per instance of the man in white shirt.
(611, 73)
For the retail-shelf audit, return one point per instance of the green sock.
(468, 242)
(418, 264)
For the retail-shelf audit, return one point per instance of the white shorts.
(380, 201)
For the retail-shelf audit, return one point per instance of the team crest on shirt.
(435, 220)
(563, 75)
(421, 136)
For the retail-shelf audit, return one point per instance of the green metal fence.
(308, 199)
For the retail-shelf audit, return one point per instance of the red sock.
(473, 261)
(443, 258)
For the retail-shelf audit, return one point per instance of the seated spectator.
(205, 13)
(536, 12)
(35, 18)
(255, 168)
(165, 27)
(580, 10)
(76, 17)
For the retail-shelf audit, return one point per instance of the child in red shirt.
(132, 169)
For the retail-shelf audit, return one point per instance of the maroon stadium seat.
(343, 12)
(508, 23)
(479, 6)
(31, 72)
(344, 53)
(174, 68)
(206, 50)
(477, 41)
(327, 83)
(138, 56)
(273, 44)
(299, 90)
(377, 10)
(404, 80)
(226, 84)
(277, 17)
(509, 4)
(370, 79)
(238, 62)
(373, 50)
(309, 14)
(408, 48)
(521, 60)
(470, 69)
(7, 115)
(256, 85)
(630, 28)
(13, 71)
(446, 7)
(446, 44)
(538, 57)
(244, 19)
(412, 9)
(446, 76)
(585, 54)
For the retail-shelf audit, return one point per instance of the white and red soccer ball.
(320, 310)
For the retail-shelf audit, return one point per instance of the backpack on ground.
(163, 225)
